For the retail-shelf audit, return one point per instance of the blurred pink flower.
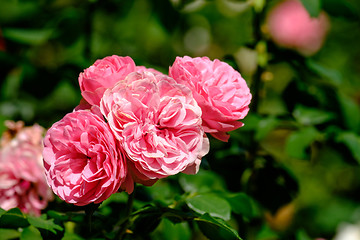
(290, 26)
(83, 162)
(158, 122)
(104, 73)
(22, 179)
(219, 90)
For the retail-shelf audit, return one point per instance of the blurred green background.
(298, 154)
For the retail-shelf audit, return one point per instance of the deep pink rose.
(83, 162)
(104, 73)
(290, 26)
(158, 123)
(22, 179)
(219, 90)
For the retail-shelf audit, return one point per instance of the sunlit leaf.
(30, 233)
(9, 234)
(47, 224)
(210, 203)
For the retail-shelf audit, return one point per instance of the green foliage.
(209, 203)
(14, 220)
(312, 6)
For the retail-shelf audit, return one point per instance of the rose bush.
(158, 123)
(219, 90)
(290, 26)
(82, 160)
(22, 179)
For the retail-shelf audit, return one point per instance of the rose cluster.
(22, 179)
(138, 125)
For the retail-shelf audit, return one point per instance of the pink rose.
(290, 26)
(104, 73)
(141, 69)
(219, 90)
(158, 123)
(22, 179)
(83, 162)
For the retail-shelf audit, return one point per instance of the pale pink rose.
(22, 179)
(83, 162)
(141, 69)
(104, 73)
(220, 91)
(158, 123)
(290, 26)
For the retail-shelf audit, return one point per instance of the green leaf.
(47, 224)
(265, 126)
(299, 141)
(342, 8)
(216, 228)
(311, 116)
(17, 10)
(13, 218)
(169, 230)
(350, 112)
(204, 181)
(302, 235)
(266, 233)
(71, 236)
(30, 233)
(331, 74)
(2, 211)
(12, 83)
(9, 234)
(352, 141)
(210, 203)
(27, 36)
(241, 204)
(312, 6)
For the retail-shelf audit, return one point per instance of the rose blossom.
(22, 179)
(158, 123)
(83, 162)
(142, 69)
(219, 90)
(104, 73)
(290, 26)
